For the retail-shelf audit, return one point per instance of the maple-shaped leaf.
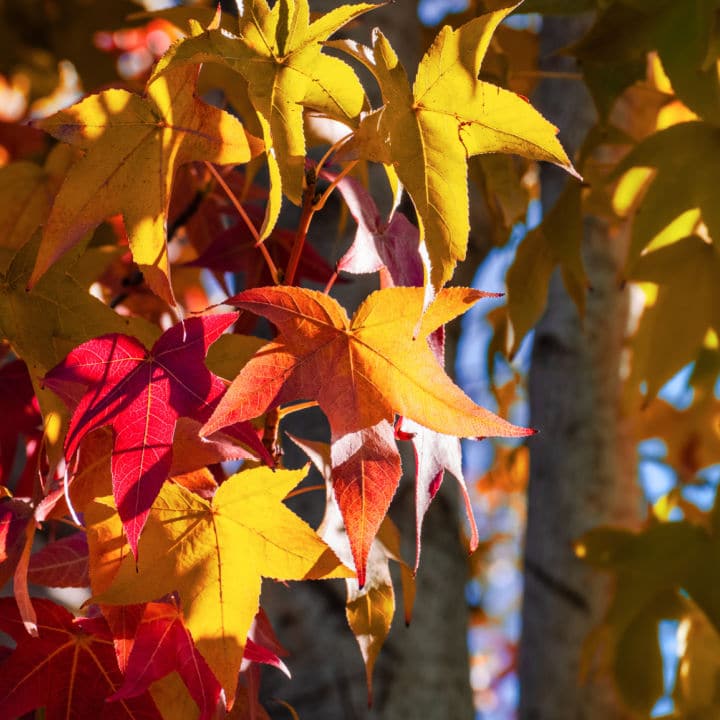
(70, 669)
(672, 330)
(214, 553)
(366, 470)
(141, 394)
(683, 156)
(370, 607)
(134, 145)
(279, 52)
(162, 644)
(391, 244)
(360, 372)
(427, 132)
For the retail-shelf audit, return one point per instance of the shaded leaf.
(70, 669)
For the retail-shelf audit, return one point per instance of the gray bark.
(581, 471)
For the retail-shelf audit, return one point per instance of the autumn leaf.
(428, 131)
(21, 418)
(279, 52)
(141, 394)
(191, 545)
(370, 604)
(556, 242)
(14, 518)
(133, 146)
(671, 332)
(366, 470)
(26, 193)
(360, 372)
(435, 453)
(235, 250)
(162, 644)
(613, 52)
(682, 156)
(70, 669)
(61, 563)
(391, 244)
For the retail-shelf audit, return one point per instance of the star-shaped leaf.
(214, 553)
(141, 394)
(360, 372)
(70, 669)
(134, 145)
(279, 52)
(428, 131)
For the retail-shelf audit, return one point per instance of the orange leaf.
(360, 372)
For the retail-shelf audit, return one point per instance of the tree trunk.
(581, 471)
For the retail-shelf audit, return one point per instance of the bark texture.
(581, 475)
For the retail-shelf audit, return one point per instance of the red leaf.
(70, 669)
(366, 470)
(360, 371)
(63, 563)
(14, 517)
(141, 394)
(434, 454)
(21, 415)
(162, 645)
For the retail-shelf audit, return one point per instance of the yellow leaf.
(134, 144)
(279, 53)
(214, 553)
(671, 332)
(26, 193)
(429, 131)
(62, 313)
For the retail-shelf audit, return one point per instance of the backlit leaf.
(360, 371)
(214, 553)
(131, 139)
(141, 394)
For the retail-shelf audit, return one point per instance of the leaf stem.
(308, 210)
(320, 204)
(290, 409)
(303, 490)
(330, 282)
(250, 225)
